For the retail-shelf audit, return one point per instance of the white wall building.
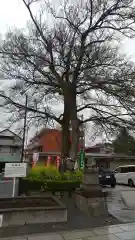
(10, 147)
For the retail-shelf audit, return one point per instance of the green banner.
(82, 159)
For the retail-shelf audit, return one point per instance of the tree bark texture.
(65, 149)
(75, 139)
(72, 106)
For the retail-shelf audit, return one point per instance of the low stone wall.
(92, 206)
(33, 215)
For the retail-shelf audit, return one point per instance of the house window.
(13, 150)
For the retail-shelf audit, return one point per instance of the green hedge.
(43, 178)
(42, 173)
(26, 186)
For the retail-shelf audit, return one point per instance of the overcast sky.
(14, 14)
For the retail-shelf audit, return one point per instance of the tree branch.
(21, 106)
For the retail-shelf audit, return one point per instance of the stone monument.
(90, 198)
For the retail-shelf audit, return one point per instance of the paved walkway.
(120, 203)
(129, 198)
(115, 232)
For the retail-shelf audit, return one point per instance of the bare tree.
(74, 61)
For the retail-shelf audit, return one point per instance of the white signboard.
(35, 157)
(15, 170)
(1, 220)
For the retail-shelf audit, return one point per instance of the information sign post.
(15, 170)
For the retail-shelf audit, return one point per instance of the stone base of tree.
(94, 206)
(90, 198)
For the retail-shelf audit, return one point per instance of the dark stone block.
(91, 193)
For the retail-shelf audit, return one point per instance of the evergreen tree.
(124, 143)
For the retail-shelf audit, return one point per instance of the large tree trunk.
(70, 113)
(65, 147)
(74, 125)
(75, 139)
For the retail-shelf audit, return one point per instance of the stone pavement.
(120, 203)
(129, 198)
(114, 232)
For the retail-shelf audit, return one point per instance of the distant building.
(103, 154)
(100, 148)
(47, 143)
(10, 147)
(47, 140)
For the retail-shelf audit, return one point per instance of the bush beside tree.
(51, 173)
(43, 179)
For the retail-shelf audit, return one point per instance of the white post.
(14, 183)
(1, 220)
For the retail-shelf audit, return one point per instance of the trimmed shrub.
(42, 173)
(26, 186)
(41, 178)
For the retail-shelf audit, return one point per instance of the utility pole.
(24, 128)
